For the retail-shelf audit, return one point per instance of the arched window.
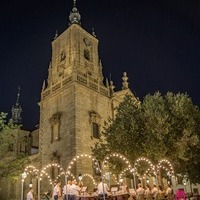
(55, 127)
(95, 128)
(95, 120)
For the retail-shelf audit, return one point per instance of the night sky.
(157, 42)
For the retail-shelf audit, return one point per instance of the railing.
(86, 81)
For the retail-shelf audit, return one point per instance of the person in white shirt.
(169, 192)
(102, 189)
(161, 192)
(154, 191)
(66, 191)
(148, 191)
(56, 191)
(74, 190)
(30, 194)
(140, 189)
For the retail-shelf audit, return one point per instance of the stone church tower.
(75, 102)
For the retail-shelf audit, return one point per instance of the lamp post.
(22, 187)
(121, 184)
(80, 177)
(104, 196)
(38, 187)
(30, 184)
(102, 179)
(134, 178)
(184, 183)
(66, 184)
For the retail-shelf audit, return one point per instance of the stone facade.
(75, 99)
(75, 102)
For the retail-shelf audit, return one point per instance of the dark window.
(95, 128)
(86, 54)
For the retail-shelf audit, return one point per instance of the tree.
(118, 134)
(10, 162)
(172, 130)
(160, 127)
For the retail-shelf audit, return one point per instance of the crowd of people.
(157, 193)
(73, 191)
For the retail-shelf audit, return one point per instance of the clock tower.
(74, 100)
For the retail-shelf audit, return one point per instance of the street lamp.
(134, 178)
(39, 179)
(121, 180)
(184, 183)
(22, 189)
(30, 184)
(80, 177)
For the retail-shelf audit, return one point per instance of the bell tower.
(75, 52)
(74, 100)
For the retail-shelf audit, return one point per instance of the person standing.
(148, 192)
(161, 193)
(30, 194)
(168, 192)
(66, 190)
(140, 192)
(74, 190)
(154, 192)
(56, 191)
(102, 189)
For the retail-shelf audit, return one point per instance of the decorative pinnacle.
(74, 17)
(74, 1)
(56, 35)
(125, 81)
(18, 95)
(93, 32)
(17, 110)
(112, 87)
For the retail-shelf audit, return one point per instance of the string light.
(88, 175)
(30, 169)
(95, 161)
(122, 172)
(151, 167)
(44, 173)
(117, 155)
(161, 165)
